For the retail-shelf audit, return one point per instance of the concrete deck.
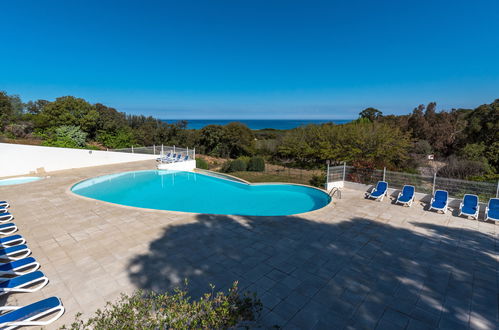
(355, 264)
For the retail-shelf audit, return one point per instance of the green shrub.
(238, 165)
(226, 166)
(201, 163)
(318, 180)
(67, 137)
(256, 164)
(148, 310)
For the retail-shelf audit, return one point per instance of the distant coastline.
(257, 124)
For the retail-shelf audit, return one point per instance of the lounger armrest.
(8, 308)
(461, 205)
(400, 194)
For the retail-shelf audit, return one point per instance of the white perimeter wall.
(188, 165)
(19, 159)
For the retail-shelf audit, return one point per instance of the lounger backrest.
(494, 204)
(408, 191)
(441, 195)
(470, 200)
(381, 186)
(179, 156)
(31, 310)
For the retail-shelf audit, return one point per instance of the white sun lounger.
(11, 241)
(7, 228)
(6, 217)
(15, 252)
(24, 283)
(19, 267)
(23, 316)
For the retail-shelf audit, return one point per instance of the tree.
(376, 143)
(35, 107)
(371, 113)
(237, 140)
(69, 110)
(11, 108)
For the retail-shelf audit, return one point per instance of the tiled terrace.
(355, 264)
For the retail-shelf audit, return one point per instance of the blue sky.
(253, 59)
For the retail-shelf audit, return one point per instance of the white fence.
(160, 150)
(423, 184)
(19, 159)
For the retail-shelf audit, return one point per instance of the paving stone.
(349, 260)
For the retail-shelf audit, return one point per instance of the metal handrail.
(334, 191)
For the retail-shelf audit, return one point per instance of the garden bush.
(201, 163)
(238, 165)
(318, 180)
(67, 137)
(256, 164)
(148, 310)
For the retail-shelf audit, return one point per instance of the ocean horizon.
(258, 124)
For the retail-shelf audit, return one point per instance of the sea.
(257, 124)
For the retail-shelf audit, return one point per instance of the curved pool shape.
(20, 180)
(199, 193)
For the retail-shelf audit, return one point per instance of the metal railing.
(422, 183)
(160, 150)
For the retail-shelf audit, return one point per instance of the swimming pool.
(199, 193)
(19, 180)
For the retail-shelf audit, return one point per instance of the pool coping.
(71, 193)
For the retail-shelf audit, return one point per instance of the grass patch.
(303, 178)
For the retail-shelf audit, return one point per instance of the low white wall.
(178, 166)
(19, 159)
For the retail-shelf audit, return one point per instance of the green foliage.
(122, 138)
(201, 163)
(371, 113)
(238, 165)
(67, 137)
(376, 143)
(464, 169)
(473, 151)
(422, 147)
(148, 310)
(230, 141)
(69, 111)
(318, 181)
(256, 164)
(7, 110)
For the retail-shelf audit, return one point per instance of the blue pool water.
(199, 193)
(24, 179)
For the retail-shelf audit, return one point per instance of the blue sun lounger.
(11, 241)
(440, 201)
(30, 282)
(380, 191)
(406, 197)
(469, 206)
(19, 267)
(15, 252)
(492, 210)
(6, 217)
(4, 204)
(165, 158)
(22, 316)
(178, 159)
(7, 228)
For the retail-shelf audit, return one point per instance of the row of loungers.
(470, 205)
(19, 273)
(169, 158)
